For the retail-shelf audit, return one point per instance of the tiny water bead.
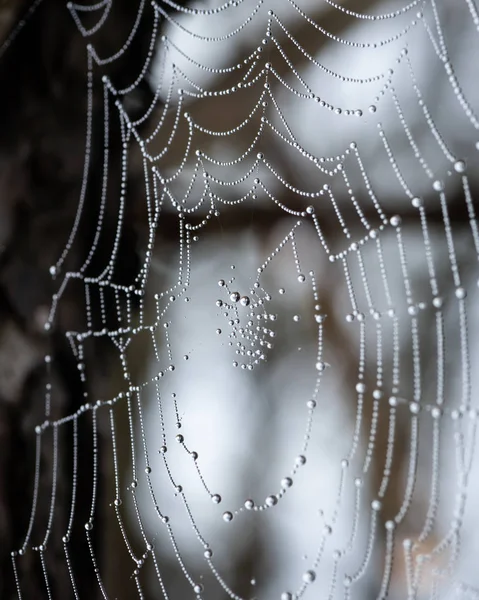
(227, 516)
(300, 460)
(395, 221)
(216, 498)
(309, 576)
(417, 202)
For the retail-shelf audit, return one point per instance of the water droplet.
(216, 498)
(460, 293)
(395, 220)
(286, 482)
(208, 553)
(309, 576)
(245, 301)
(417, 202)
(301, 460)
(234, 297)
(249, 504)
(301, 278)
(415, 408)
(221, 283)
(271, 500)
(460, 166)
(360, 387)
(227, 516)
(198, 588)
(438, 185)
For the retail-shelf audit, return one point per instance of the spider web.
(340, 333)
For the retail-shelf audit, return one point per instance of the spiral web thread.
(392, 316)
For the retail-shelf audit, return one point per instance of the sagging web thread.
(201, 187)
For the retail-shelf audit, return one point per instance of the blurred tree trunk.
(43, 106)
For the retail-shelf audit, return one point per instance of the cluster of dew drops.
(249, 323)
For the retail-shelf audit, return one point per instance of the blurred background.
(295, 383)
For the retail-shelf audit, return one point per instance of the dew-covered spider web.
(297, 411)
